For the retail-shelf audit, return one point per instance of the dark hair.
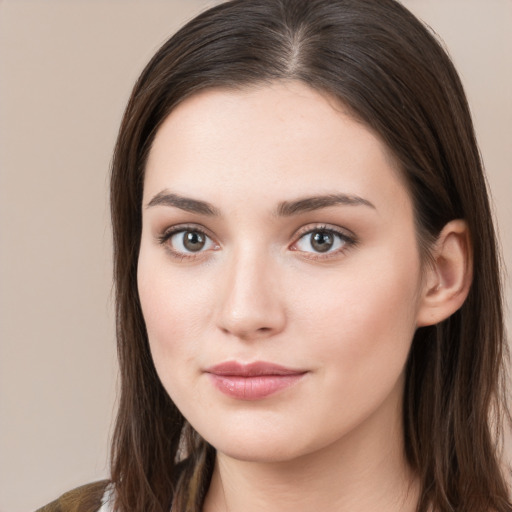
(388, 69)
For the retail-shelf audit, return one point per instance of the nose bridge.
(251, 306)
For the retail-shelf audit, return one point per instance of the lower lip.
(254, 387)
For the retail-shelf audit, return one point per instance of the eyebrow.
(284, 209)
(187, 204)
(307, 204)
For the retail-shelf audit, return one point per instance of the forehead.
(281, 137)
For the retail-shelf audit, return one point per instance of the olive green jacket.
(83, 499)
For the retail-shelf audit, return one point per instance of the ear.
(448, 277)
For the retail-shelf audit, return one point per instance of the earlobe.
(448, 277)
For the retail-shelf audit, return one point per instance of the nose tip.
(247, 332)
(248, 326)
(252, 307)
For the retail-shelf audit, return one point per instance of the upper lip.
(255, 369)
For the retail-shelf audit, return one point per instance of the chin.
(255, 443)
(259, 452)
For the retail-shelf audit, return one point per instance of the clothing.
(94, 497)
(87, 498)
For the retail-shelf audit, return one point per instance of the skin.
(258, 290)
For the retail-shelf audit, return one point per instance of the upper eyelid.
(304, 230)
(177, 228)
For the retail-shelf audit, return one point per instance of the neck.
(365, 471)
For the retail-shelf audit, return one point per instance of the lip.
(253, 381)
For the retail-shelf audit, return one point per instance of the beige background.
(66, 69)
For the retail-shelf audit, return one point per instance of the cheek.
(175, 312)
(364, 319)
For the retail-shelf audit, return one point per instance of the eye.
(184, 242)
(323, 240)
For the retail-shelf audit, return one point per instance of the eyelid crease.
(167, 233)
(343, 232)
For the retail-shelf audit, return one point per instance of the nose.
(251, 306)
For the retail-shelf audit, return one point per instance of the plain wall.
(66, 70)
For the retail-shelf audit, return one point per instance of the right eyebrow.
(166, 198)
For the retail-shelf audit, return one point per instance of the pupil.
(322, 241)
(193, 240)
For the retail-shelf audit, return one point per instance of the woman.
(306, 271)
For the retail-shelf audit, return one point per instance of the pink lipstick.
(252, 381)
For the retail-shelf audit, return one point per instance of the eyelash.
(347, 240)
(169, 233)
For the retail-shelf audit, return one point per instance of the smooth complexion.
(277, 233)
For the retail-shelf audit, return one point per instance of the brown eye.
(187, 241)
(322, 241)
(193, 241)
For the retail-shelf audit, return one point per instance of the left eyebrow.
(307, 204)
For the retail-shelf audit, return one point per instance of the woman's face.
(279, 272)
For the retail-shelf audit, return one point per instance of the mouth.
(253, 381)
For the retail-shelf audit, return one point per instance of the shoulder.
(87, 498)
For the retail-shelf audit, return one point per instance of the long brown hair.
(384, 65)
